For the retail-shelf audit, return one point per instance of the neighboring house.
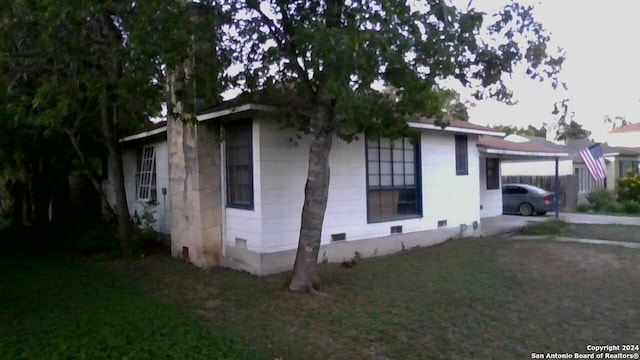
(229, 188)
(625, 136)
(618, 159)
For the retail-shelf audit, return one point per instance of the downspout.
(557, 180)
(223, 194)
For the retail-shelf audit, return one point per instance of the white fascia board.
(233, 110)
(143, 135)
(417, 125)
(524, 153)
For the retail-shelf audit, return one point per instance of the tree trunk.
(40, 191)
(315, 203)
(17, 193)
(60, 198)
(115, 158)
(92, 177)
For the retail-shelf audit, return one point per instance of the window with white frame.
(146, 174)
(586, 182)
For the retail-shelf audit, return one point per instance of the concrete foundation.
(339, 251)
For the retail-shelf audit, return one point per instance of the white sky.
(602, 67)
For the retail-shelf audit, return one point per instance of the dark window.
(146, 174)
(462, 156)
(393, 189)
(627, 167)
(493, 174)
(238, 160)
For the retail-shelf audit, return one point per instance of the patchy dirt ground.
(604, 232)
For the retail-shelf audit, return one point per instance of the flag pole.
(555, 200)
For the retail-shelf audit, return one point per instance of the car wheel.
(525, 209)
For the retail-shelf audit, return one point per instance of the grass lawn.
(612, 232)
(53, 307)
(467, 298)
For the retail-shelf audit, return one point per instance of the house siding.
(627, 139)
(280, 170)
(536, 168)
(161, 211)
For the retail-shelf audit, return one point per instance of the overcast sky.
(602, 67)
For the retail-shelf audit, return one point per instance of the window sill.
(400, 218)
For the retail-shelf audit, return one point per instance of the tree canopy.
(332, 57)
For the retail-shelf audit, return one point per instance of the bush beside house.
(625, 200)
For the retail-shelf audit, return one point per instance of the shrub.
(584, 208)
(628, 188)
(601, 200)
(630, 206)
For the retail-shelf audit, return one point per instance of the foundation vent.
(396, 229)
(339, 237)
(442, 223)
(185, 253)
(241, 243)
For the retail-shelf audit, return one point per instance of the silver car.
(525, 199)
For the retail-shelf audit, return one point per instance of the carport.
(493, 151)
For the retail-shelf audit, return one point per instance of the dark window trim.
(418, 182)
(495, 184)
(247, 123)
(462, 155)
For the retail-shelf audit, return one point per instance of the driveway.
(504, 224)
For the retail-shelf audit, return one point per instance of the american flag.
(593, 158)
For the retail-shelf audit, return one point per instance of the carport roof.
(496, 147)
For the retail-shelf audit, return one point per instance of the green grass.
(550, 227)
(471, 298)
(54, 308)
(468, 298)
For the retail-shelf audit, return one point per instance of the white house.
(625, 136)
(229, 189)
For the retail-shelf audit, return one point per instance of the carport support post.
(557, 190)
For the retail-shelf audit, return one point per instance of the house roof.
(626, 129)
(457, 126)
(496, 146)
(543, 143)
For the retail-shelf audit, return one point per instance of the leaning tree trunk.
(115, 158)
(17, 193)
(315, 203)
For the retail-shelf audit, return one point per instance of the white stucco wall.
(536, 168)
(162, 210)
(628, 139)
(280, 170)
(490, 200)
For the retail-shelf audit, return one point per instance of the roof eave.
(234, 110)
(144, 134)
(423, 126)
(523, 153)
